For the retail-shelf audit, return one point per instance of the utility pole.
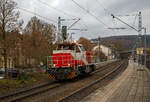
(111, 47)
(140, 37)
(59, 30)
(145, 47)
(133, 51)
(72, 36)
(99, 41)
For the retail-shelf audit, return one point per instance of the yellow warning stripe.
(51, 77)
(71, 75)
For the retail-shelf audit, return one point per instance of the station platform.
(133, 85)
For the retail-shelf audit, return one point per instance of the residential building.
(106, 50)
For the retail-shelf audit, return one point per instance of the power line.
(89, 13)
(103, 7)
(117, 15)
(59, 10)
(83, 23)
(106, 10)
(109, 13)
(127, 15)
(31, 12)
(124, 22)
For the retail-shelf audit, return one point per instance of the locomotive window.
(65, 47)
(77, 49)
(82, 48)
(60, 47)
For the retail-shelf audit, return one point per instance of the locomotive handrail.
(67, 59)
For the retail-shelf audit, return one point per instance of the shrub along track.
(53, 92)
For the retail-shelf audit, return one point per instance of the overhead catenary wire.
(61, 11)
(89, 13)
(117, 15)
(107, 12)
(127, 15)
(104, 8)
(84, 24)
(124, 22)
(58, 10)
(31, 12)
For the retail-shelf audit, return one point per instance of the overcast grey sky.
(100, 8)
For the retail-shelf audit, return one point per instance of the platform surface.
(133, 85)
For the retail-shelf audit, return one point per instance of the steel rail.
(17, 93)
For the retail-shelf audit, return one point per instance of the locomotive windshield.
(71, 46)
(66, 47)
(82, 48)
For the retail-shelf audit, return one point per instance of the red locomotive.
(68, 61)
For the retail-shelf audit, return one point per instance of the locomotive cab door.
(83, 54)
(78, 55)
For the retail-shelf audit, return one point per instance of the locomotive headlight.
(69, 64)
(54, 65)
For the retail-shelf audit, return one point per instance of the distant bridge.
(126, 54)
(129, 51)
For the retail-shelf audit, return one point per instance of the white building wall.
(106, 50)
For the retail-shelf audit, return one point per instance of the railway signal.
(64, 33)
(62, 30)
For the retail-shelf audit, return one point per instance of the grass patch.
(7, 85)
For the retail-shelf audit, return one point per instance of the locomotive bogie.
(69, 73)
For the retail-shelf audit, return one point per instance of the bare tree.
(38, 35)
(8, 21)
(86, 43)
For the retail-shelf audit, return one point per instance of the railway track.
(46, 88)
(86, 90)
(101, 68)
(31, 91)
